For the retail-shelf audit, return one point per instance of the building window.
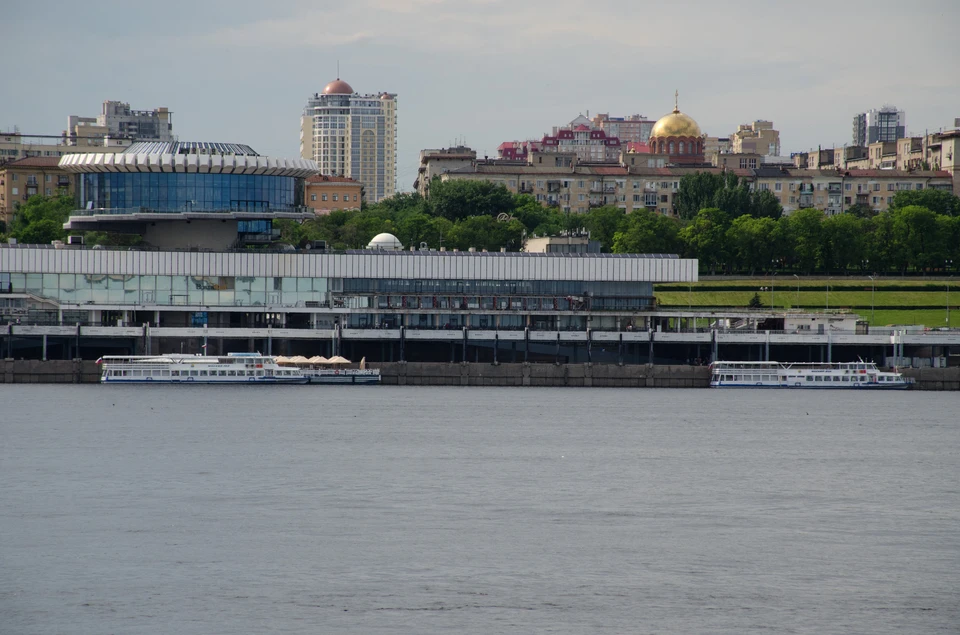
(313, 197)
(323, 196)
(876, 200)
(46, 178)
(13, 177)
(876, 187)
(663, 198)
(846, 200)
(778, 187)
(335, 197)
(354, 197)
(765, 187)
(848, 186)
(15, 190)
(890, 187)
(793, 199)
(889, 200)
(919, 186)
(743, 164)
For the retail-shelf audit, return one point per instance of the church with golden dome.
(677, 136)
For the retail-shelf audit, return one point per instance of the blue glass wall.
(180, 192)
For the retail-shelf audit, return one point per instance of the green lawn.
(847, 293)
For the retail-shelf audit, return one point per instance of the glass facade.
(212, 291)
(189, 192)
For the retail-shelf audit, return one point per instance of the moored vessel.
(232, 368)
(858, 375)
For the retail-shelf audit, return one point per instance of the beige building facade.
(758, 137)
(434, 162)
(325, 194)
(836, 191)
(19, 180)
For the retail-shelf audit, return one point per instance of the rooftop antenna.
(338, 69)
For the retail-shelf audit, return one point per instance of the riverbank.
(444, 374)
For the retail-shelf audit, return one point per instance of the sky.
(484, 71)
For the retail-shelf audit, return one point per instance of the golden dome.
(676, 124)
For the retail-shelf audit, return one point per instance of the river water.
(308, 509)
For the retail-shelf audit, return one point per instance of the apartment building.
(354, 136)
(434, 162)
(561, 181)
(758, 137)
(835, 191)
(118, 120)
(885, 124)
(629, 129)
(31, 176)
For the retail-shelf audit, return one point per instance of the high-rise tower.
(353, 135)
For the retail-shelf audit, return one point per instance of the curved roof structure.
(676, 124)
(385, 241)
(162, 157)
(338, 87)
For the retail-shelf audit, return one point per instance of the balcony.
(526, 188)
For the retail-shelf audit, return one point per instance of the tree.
(915, 230)
(937, 201)
(38, 209)
(603, 223)
(844, 242)
(752, 242)
(806, 226)
(859, 210)
(646, 232)
(697, 192)
(764, 204)
(755, 302)
(457, 199)
(705, 237)
(41, 232)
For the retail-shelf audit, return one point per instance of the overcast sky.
(483, 71)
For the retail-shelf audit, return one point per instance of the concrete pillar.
(496, 346)
(650, 349)
(766, 350)
(589, 347)
(44, 358)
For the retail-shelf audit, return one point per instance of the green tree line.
(733, 230)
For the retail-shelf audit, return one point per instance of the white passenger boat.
(232, 368)
(342, 376)
(853, 375)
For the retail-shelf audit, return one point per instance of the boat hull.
(803, 386)
(190, 380)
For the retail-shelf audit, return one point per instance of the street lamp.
(873, 290)
(798, 289)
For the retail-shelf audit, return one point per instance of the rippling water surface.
(310, 509)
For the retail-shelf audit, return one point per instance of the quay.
(584, 375)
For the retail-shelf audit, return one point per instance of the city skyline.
(484, 71)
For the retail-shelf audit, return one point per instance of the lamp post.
(798, 289)
(873, 290)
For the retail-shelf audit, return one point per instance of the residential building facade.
(758, 137)
(629, 129)
(885, 124)
(324, 194)
(118, 120)
(32, 176)
(434, 162)
(352, 135)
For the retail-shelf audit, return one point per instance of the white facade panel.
(450, 266)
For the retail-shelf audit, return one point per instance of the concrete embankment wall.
(442, 374)
(606, 375)
(61, 371)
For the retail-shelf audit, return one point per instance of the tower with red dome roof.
(353, 135)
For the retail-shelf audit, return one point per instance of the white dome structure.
(385, 242)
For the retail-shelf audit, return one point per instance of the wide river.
(308, 509)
